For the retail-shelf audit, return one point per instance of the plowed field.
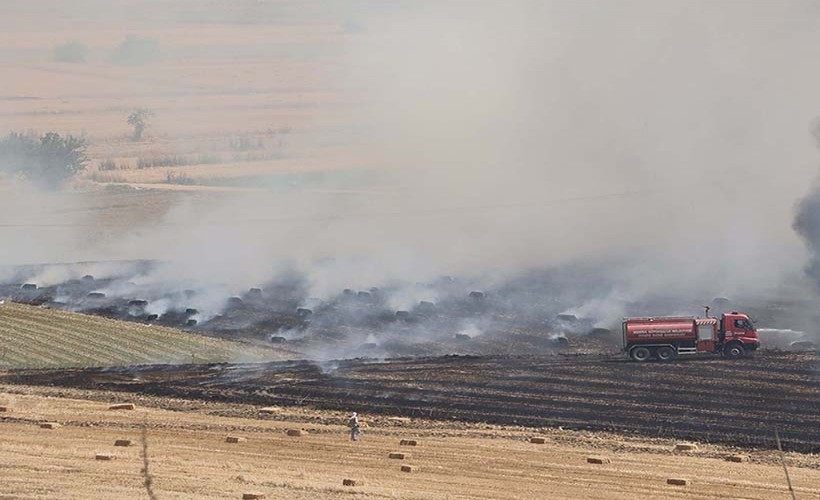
(711, 399)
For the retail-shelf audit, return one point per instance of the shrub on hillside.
(108, 164)
(71, 52)
(136, 50)
(139, 120)
(175, 178)
(48, 160)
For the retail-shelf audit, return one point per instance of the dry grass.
(44, 338)
(122, 406)
(190, 460)
(266, 96)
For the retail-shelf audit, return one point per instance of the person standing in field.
(355, 428)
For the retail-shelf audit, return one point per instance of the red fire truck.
(732, 335)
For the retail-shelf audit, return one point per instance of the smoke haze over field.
(664, 144)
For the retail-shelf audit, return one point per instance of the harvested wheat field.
(36, 336)
(190, 459)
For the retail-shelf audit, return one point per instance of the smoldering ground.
(651, 152)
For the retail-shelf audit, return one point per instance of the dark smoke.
(807, 221)
(807, 225)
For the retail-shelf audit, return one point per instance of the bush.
(108, 164)
(137, 119)
(107, 178)
(246, 143)
(177, 161)
(183, 178)
(71, 52)
(136, 50)
(48, 160)
(352, 27)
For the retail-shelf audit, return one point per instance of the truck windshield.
(744, 324)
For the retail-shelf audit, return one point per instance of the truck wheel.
(733, 351)
(640, 354)
(666, 353)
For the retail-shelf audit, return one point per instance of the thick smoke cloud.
(807, 223)
(662, 144)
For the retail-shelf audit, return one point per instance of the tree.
(136, 50)
(137, 120)
(48, 160)
(71, 52)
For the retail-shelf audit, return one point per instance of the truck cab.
(737, 334)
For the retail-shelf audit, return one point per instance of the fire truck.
(664, 338)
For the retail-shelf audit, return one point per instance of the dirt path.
(190, 459)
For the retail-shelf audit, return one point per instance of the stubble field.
(189, 457)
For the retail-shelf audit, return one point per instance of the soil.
(739, 403)
(189, 457)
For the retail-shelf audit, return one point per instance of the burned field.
(739, 403)
(518, 353)
(444, 316)
(552, 311)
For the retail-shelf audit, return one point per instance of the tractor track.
(739, 402)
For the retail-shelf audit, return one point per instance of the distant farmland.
(46, 338)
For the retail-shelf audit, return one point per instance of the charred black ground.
(710, 399)
(569, 309)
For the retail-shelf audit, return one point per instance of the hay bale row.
(396, 455)
(677, 481)
(234, 439)
(4, 409)
(123, 442)
(737, 458)
(352, 482)
(408, 442)
(104, 456)
(269, 410)
(598, 460)
(537, 440)
(686, 447)
(399, 420)
(122, 406)
(295, 432)
(50, 425)
(407, 468)
(252, 496)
